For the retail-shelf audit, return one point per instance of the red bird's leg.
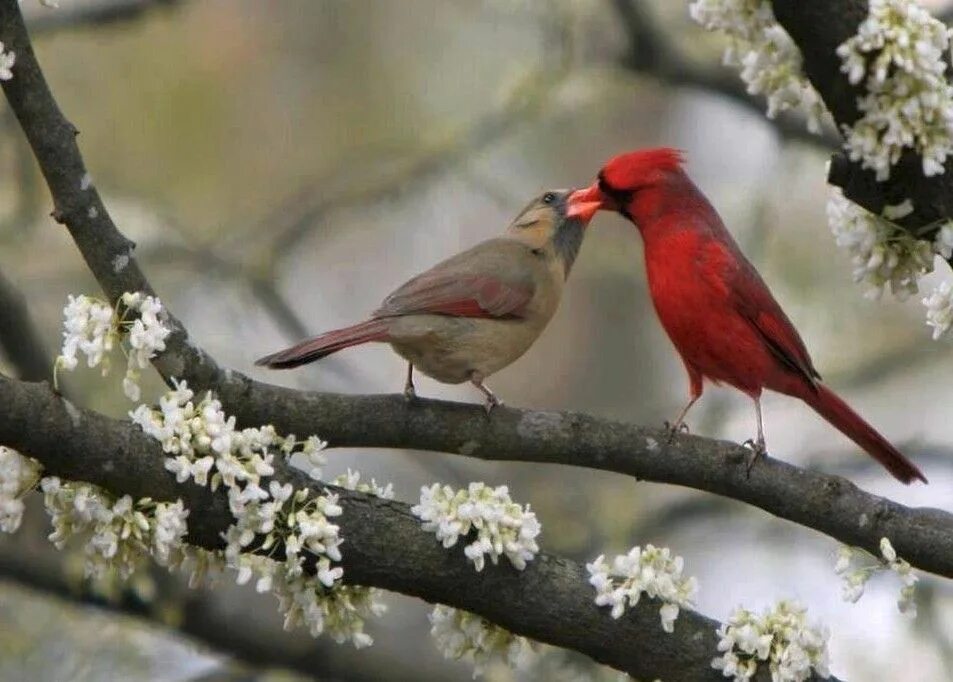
(491, 400)
(409, 392)
(758, 447)
(695, 389)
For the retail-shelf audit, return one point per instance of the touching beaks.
(583, 203)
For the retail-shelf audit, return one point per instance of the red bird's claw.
(758, 451)
(673, 430)
(410, 395)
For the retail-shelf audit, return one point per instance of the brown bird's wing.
(490, 280)
(750, 297)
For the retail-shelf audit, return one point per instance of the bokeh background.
(282, 166)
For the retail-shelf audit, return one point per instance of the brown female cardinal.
(477, 312)
(717, 310)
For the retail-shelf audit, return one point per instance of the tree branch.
(829, 504)
(818, 27)
(385, 546)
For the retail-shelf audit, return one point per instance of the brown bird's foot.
(758, 450)
(410, 393)
(491, 400)
(674, 429)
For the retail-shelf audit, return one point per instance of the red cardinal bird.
(717, 310)
(477, 312)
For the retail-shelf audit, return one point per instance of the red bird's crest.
(632, 170)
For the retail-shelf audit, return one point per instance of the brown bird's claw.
(410, 394)
(758, 450)
(491, 402)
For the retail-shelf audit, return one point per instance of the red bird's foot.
(410, 393)
(758, 450)
(674, 429)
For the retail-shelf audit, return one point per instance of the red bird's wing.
(463, 287)
(752, 299)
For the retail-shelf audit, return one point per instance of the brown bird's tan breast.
(450, 348)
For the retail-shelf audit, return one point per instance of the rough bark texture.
(384, 546)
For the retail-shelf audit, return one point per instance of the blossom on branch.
(18, 475)
(769, 61)
(652, 571)
(899, 55)
(116, 533)
(464, 635)
(939, 305)
(856, 567)
(882, 253)
(93, 328)
(501, 526)
(780, 637)
(7, 60)
(278, 531)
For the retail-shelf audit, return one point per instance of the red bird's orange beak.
(583, 203)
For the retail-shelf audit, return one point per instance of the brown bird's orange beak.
(583, 203)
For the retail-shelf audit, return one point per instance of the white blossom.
(898, 54)
(856, 567)
(939, 305)
(203, 443)
(780, 637)
(93, 328)
(501, 526)
(352, 481)
(463, 635)
(651, 571)
(769, 61)
(7, 60)
(115, 533)
(18, 474)
(882, 254)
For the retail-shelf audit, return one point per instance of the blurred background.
(283, 166)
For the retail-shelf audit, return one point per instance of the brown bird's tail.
(827, 404)
(326, 344)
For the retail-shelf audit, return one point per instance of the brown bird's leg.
(696, 392)
(409, 391)
(758, 446)
(491, 400)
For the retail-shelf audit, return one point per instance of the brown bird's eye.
(549, 198)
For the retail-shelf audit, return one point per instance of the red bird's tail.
(827, 404)
(326, 344)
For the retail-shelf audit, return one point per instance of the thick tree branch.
(384, 547)
(829, 504)
(819, 27)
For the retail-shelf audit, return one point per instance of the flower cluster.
(463, 635)
(7, 60)
(115, 533)
(855, 567)
(781, 637)
(352, 481)
(277, 529)
(882, 254)
(501, 525)
(939, 307)
(898, 53)
(653, 571)
(769, 61)
(93, 327)
(18, 474)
